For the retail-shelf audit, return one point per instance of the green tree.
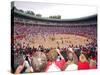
(21, 10)
(30, 12)
(55, 17)
(38, 15)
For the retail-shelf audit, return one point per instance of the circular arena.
(42, 42)
(54, 33)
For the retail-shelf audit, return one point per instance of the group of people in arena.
(40, 45)
(29, 60)
(21, 28)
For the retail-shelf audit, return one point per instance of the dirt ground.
(61, 40)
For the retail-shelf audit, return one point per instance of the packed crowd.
(27, 59)
(88, 30)
(31, 59)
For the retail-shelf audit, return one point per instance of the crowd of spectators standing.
(30, 59)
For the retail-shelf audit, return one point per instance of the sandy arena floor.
(60, 40)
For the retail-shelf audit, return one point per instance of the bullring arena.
(44, 45)
(53, 33)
